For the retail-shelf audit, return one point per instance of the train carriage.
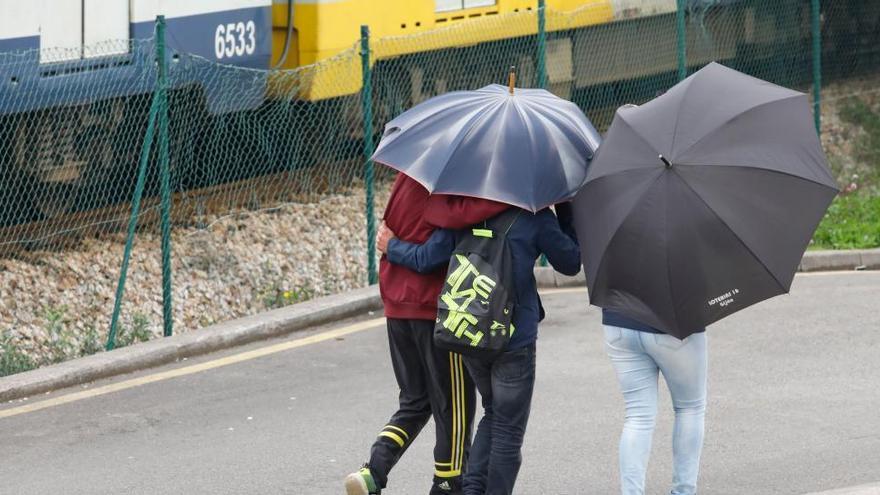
(76, 74)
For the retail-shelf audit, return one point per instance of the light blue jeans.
(638, 358)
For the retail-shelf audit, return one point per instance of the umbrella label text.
(724, 299)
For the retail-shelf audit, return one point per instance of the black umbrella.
(702, 201)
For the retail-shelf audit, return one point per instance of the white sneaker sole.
(355, 485)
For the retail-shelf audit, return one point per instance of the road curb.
(283, 321)
(854, 259)
(157, 352)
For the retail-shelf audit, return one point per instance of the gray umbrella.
(524, 147)
(702, 201)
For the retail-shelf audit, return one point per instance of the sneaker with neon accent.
(361, 483)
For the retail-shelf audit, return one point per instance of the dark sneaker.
(361, 483)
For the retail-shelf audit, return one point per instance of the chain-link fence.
(266, 197)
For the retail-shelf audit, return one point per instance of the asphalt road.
(794, 407)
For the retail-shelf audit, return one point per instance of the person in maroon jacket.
(432, 382)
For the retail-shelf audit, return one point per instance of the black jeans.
(433, 383)
(506, 384)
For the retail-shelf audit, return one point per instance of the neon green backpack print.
(475, 308)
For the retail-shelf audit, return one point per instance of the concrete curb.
(855, 259)
(216, 337)
(290, 319)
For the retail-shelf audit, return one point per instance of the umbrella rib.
(527, 125)
(472, 124)
(754, 167)
(561, 175)
(599, 151)
(568, 117)
(749, 248)
(678, 114)
(668, 269)
(635, 203)
(639, 134)
(731, 119)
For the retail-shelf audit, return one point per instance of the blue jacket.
(530, 235)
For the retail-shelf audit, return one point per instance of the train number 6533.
(235, 39)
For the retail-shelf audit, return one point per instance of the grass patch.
(12, 359)
(852, 222)
(139, 331)
(279, 294)
(61, 342)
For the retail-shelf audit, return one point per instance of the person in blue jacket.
(505, 382)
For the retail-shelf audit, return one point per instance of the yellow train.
(324, 29)
(590, 42)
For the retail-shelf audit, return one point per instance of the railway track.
(190, 208)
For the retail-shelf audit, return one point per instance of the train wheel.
(46, 159)
(71, 157)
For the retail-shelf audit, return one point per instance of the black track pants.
(432, 383)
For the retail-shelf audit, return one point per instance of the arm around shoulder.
(423, 258)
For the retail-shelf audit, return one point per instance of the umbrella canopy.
(702, 201)
(527, 148)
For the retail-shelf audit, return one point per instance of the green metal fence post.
(817, 65)
(132, 222)
(367, 106)
(682, 40)
(542, 44)
(165, 173)
(542, 64)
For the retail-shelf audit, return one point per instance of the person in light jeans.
(639, 354)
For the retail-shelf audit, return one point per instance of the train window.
(469, 4)
(84, 29)
(60, 31)
(447, 5)
(105, 26)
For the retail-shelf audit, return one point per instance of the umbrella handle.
(511, 78)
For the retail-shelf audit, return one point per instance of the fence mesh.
(267, 167)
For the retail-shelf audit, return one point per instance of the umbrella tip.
(665, 161)
(511, 78)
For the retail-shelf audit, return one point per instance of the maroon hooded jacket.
(413, 214)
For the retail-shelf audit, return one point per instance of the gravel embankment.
(240, 264)
(840, 138)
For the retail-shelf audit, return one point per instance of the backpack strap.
(504, 222)
(496, 224)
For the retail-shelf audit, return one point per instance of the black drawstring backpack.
(475, 308)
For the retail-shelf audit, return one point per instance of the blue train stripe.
(198, 34)
(18, 44)
(26, 85)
